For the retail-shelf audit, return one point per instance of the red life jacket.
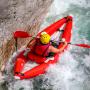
(41, 49)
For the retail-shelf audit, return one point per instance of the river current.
(72, 72)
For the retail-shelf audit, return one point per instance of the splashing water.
(72, 72)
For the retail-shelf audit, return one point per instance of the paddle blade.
(83, 45)
(21, 34)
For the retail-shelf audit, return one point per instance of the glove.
(64, 41)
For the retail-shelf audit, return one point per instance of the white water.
(73, 70)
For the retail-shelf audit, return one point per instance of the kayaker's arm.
(56, 50)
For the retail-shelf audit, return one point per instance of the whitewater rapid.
(73, 70)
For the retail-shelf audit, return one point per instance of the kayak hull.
(42, 68)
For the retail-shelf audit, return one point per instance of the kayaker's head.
(44, 38)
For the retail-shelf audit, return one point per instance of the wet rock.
(26, 15)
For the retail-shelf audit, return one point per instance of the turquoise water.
(76, 69)
(72, 72)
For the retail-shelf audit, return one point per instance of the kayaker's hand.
(65, 43)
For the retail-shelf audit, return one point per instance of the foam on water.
(61, 6)
(66, 75)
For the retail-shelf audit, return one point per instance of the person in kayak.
(42, 47)
(38, 52)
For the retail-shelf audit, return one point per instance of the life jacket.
(41, 49)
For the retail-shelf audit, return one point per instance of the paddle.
(20, 34)
(23, 34)
(81, 45)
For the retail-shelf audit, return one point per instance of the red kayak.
(42, 67)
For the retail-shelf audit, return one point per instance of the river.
(73, 70)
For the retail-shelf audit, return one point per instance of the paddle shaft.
(22, 34)
(81, 45)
